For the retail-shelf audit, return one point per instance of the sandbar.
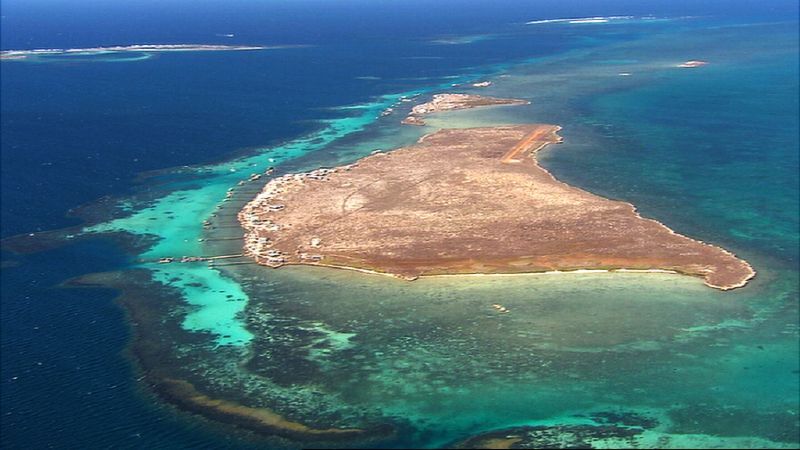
(691, 64)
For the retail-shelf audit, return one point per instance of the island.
(452, 102)
(147, 48)
(466, 201)
(692, 63)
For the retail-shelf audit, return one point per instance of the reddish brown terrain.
(464, 201)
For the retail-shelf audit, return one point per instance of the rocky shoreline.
(466, 201)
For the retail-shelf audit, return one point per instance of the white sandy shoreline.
(21, 54)
(510, 274)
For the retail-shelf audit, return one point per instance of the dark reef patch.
(171, 372)
(619, 426)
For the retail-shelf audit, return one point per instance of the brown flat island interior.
(466, 201)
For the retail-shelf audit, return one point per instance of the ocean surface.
(112, 161)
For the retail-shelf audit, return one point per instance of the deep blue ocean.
(75, 131)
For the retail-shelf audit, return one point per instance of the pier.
(188, 259)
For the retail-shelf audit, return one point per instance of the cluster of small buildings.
(441, 102)
(255, 217)
(500, 308)
(253, 220)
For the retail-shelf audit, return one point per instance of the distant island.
(579, 20)
(691, 64)
(22, 54)
(466, 201)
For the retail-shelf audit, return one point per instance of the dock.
(188, 259)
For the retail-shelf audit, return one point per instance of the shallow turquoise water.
(176, 219)
(711, 152)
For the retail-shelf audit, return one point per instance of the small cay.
(453, 102)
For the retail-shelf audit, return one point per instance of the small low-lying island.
(144, 48)
(466, 201)
(453, 102)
